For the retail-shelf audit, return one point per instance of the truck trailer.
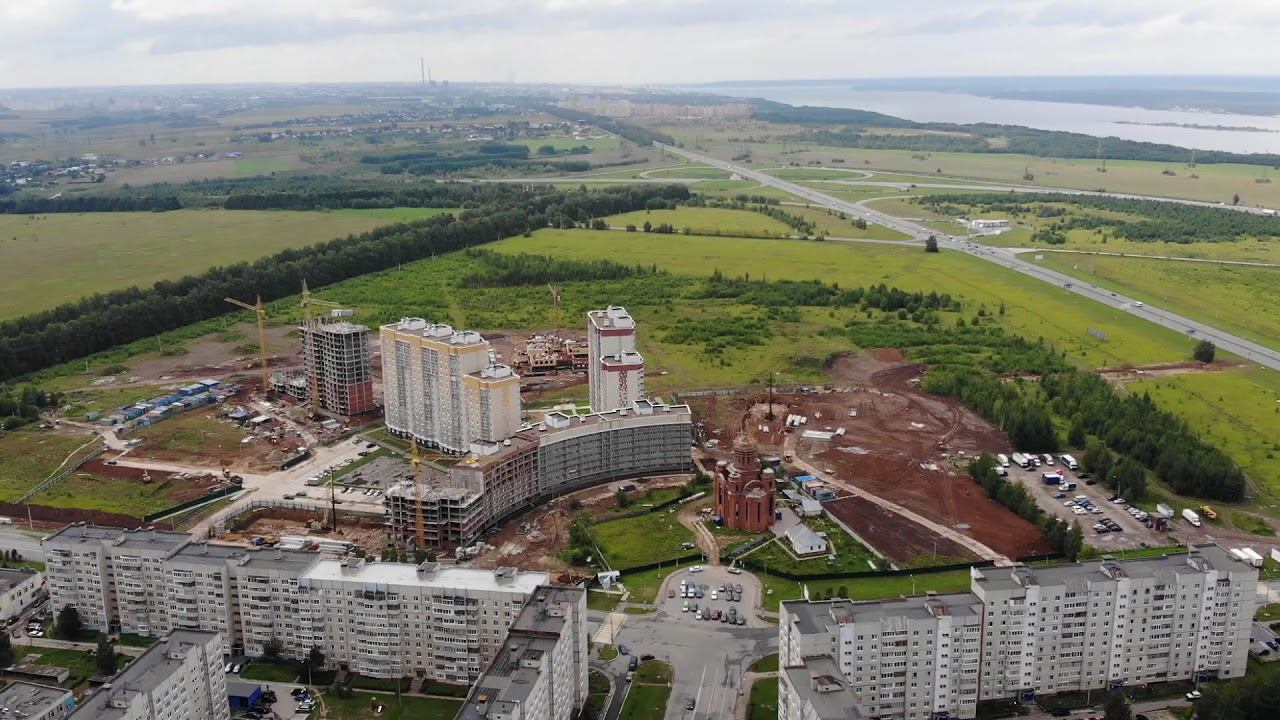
(1004, 460)
(1190, 516)
(1051, 478)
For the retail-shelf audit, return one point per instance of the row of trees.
(1066, 539)
(95, 324)
(29, 205)
(1133, 426)
(20, 406)
(1255, 697)
(1162, 221)
(503, 270)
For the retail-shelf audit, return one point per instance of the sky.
(140, 42)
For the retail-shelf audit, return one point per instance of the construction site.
(872, 432)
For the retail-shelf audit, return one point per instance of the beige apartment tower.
(445, 386)
(615, 370)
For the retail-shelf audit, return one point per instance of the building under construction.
(335, 355)
(563, 453)
(545, 354)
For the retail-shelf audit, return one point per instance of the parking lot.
(1056, 500)
(285, 706)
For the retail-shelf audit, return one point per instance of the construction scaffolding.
(335, 356)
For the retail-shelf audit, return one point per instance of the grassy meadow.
(706, 221)
(98, 252)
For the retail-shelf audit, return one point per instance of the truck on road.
(1208, 512)
(1190, 516)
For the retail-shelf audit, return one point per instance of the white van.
(1048, 459)
(1004, 460)
(1069, 461)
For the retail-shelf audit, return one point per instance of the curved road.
(1009, 257)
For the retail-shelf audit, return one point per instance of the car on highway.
(1138, 304)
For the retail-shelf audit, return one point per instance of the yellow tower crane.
(415, 458)
(313, 378)
(262, 338)
(555, 301)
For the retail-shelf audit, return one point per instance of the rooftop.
(626, 358)
(343, 328)
(1212, 557)
(23, 699)
(612, 317)
(143, 675)
(803, 535)
(820, 684)
(219, 555)
(816, 617)
(426, 575)
(10, 579)
(139, 538)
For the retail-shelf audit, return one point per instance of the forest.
(1162, 221)
(28, 205)
(94, 324)
(469, 157)
(1014, 139)
(503, 270)
(1065, 539)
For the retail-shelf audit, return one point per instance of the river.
(1099, 120)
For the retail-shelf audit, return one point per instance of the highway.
(1010, 257)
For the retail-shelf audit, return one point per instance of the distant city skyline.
(54, 43)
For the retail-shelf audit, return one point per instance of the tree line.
(504, 270)
(1163, 221)
(466, 158)
(105, 320)
(636, 134)
(1066, 539)
(28, 205)
(22, 406)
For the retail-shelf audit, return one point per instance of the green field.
(1243, 300)
(285, 673)
(405, 214)
(95, 492)
(29, 456)
(653, 672)
(186, 434)
(96, 252)
(692, 172)
(246, 167)
(642, 540)
(763, 704)
(706, 220)
(877, 588)
(80, 662)
(359, 707)
(1238, 410)
(832, 224)
(903, 207)
(645, 702)
(850, 555)
(768, 663)
(816, 173)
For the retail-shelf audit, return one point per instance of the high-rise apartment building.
(540, 672)
(615, 369)
(445, 387)
(178, 678)
(29, 701)
(1022, 630)
(393, 620)
(335, 357)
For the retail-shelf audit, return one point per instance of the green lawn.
(597, 692)
(81, 663)
(602, 600)
(641, 540)
(406, 214)
(1268, 613)
(816, 173)
(608, 652)
(851, 555)
(360, 706)
(832, 224)
(97, 252)
(865, 588)
(763, 704)
(646, 702)
(189, 433)
(653, 672)
(693, 172)
(97, 492)
(284, 673)
(706, 220)
(768, 663)
(1235, 410)
(246, 167)
(29, 456)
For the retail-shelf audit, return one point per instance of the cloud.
(632, 41)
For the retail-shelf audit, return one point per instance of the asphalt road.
(1010, 257)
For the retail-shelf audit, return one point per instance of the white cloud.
(671, 41)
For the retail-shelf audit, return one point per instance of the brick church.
(745, 489)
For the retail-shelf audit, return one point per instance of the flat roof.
(138, 539)
(343, 328)
(24, 698)
(10, 579)
(241, 688)
(253, 558)
(443, 576)
(1215, 557)
(811, 617)
(818, 682)
(142, 675)
(613, 316)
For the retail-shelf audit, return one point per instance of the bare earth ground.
(897, 444)
(224, 447)
(370, 535)
(206, 358)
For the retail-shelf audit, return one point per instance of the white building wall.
(24, 592)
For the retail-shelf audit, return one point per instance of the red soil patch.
(910, 540)
(889, 355)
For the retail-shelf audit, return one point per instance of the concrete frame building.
(1088, 626)
(245, 595)
(745, 490)
(18, 589)
(615, 369)
(444, 387)
(393, 620)
(30, 701)
(178, 678)
(816, 689)
(540, 673)
(335, 357)
(561, 454)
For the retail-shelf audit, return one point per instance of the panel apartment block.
(540, 673)
(178, 678)
(149, 582)
(561, 454)
(336, 358)
(1044, 630)
(394, 620)
(615, 370)
(19, 589)
(29, 701)
(444, 387)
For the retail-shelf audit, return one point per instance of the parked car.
(235, 669)
(671, 592)
(1193, 695)
(624, 649)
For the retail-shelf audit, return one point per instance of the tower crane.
(262, 338)
(555, 301)
(415, 458)
(313, 376)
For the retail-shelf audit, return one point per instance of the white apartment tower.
(445, 387)
(540, 673)
(1087, 626)
(178, 678)
(615, 370)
